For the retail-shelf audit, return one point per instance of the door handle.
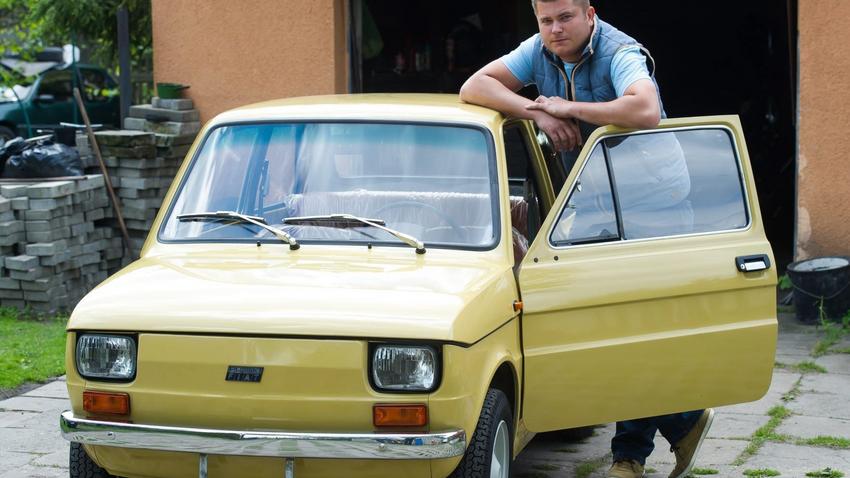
(758, 262)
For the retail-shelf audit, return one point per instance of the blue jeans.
(634, 438)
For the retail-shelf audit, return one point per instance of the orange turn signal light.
(400, 415)
(105, 402)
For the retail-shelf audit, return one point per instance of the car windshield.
(432, 182)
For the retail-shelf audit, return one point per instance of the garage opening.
(720, 57)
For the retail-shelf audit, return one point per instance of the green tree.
(15, 38)
(28, 25)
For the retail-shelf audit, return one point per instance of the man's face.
(565, 28)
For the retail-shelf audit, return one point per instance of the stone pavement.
(816, 404)
(30, 443)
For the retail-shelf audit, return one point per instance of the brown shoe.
(687, 448)
(625, 469)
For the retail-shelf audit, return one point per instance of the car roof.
(444, 108)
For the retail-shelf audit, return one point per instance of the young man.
(588, 74)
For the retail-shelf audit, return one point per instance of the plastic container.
(823, 280)
(170, 91)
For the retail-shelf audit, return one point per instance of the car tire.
(490, 451)
(6, 134)
(82, 466)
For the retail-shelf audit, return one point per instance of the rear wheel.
(490, 451)
(82, 466)
(6, 134)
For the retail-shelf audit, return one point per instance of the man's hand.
(564, 133)
(494, 86)
(555, 106)
(638, 108)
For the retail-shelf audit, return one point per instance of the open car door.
(650, 288)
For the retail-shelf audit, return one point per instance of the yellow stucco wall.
(823, 223)
(234, 53)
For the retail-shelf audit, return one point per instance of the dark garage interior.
(712, 58)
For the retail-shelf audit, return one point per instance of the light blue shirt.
(627, 66)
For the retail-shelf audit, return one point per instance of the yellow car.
(411, 286)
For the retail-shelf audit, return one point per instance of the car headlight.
(404, 368)
(106, 357)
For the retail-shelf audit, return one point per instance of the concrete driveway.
(817, 404)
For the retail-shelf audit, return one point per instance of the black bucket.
(821, 280)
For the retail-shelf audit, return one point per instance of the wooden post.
(115, 204)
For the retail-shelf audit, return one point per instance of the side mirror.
(45, 99)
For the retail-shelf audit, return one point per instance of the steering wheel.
(421, 205)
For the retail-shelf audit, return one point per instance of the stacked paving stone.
(142, 159)
(11, 233)
(53, 250)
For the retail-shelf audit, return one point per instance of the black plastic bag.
(44, 160)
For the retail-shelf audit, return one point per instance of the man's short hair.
(581, 3)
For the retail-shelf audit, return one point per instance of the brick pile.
(143, 159)
(59, 239)
(55, 244)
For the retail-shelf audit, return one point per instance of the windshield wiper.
(347, 220)
(235, 216)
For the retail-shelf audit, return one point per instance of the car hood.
(391, 292)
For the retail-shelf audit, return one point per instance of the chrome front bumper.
(389, 446)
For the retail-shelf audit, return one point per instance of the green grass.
(761, 472)
(792, 394)
(826, 441)
(704, 471)
(585, 469)
(825, 473)
(765, 433)
(809, 367)
(842, 351)
(30, 350)
(832, 333)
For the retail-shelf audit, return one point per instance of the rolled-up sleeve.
(519, 61)
(627, 67)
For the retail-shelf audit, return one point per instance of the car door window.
(526, 204)
(589, 215)
(554, 164)
(58, 84)
(676, 183)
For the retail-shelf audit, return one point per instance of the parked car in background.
(49, 100)
(410, 286)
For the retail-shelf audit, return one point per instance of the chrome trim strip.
(390, 446)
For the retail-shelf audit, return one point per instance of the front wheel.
(490, 451)
(6, 134)
(82, 466)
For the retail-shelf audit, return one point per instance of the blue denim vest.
(591, 77)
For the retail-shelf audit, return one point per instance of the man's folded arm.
(495, 87)
(637, 108)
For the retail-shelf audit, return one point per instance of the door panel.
(59, 84)
(621, 328)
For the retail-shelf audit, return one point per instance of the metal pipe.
(202, 466)
(125, 87)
